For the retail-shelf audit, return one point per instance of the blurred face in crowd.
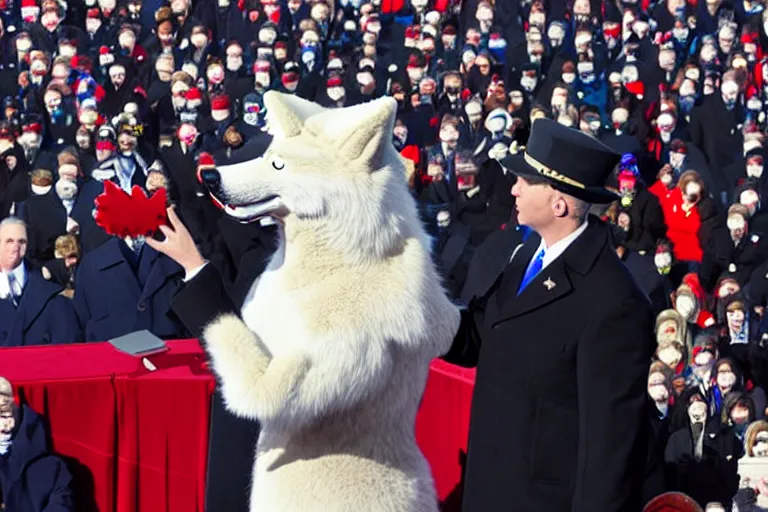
(737, 225)
(657, 387)
(164, 67)
(68, 172)
(126, 142)
(667, 59)
(669, 353)
(730, 92)
(179, 9)
(673, 6)
(726, 377)
(740, 416)
(751, 200)
(725, 39)
(50, 20)
(7, 419)
(556, 35)
(103, 154)
(537, 18)
(52, 100)
(708, 53)
(117, 76)
(735, 319)
(590, 123)
(697, 409)
(59, 74)
(449, 135)
(692, 193)
(559, 98)
(581, 9)
(13, 245)
(483, 64)
(234, 57)
(755, 166)
(165, 33)
(127, 40)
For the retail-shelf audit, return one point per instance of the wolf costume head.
(335, 170)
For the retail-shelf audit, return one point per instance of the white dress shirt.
(558, 248)
(20, 278)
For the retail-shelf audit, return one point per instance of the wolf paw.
(225, 327)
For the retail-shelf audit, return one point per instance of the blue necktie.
(12, 285)
(533, 269)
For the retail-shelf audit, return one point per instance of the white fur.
(343, 323)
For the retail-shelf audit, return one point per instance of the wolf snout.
(211, 179)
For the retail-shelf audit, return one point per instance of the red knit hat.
(193, 94)
(636, 88)
(105, 145)
(220, 102)
(205, 161)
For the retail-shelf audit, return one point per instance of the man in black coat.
(715, 129)
(559, 410)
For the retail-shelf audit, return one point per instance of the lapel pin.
(549, 283)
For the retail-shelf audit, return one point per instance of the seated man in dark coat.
(32, 310)
(32, 479)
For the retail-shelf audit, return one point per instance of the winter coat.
(689, 231)
(116, 295)
(715, 131)
(646, 227)
(713, 478)
(43, 315)
(32, 479)
(555, 435)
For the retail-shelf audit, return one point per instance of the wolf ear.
(360, 133)
(286, 113)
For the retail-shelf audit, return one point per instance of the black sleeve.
(202, 299)
(465, 350)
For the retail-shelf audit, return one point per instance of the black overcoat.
(559, 413)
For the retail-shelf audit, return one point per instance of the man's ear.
(560, 207)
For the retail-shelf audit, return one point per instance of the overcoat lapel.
(537, 293)
(515, 270)
(36, 295)
(552, 283)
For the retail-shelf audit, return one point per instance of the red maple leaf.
(120, 214)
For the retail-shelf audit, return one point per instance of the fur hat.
(68, 157)
(41, 178)
(66, 246)
(738, 209)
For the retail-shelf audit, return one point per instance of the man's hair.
(12, 220)
(578, 209)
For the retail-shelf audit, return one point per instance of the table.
(136, 440)
(442, 428)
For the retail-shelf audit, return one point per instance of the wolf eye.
(278, 163)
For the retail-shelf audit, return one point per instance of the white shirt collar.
(20, 275)
(559, 247)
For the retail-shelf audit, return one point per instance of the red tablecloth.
(136, 440)
(442, 427)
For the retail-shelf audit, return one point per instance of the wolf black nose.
(211, 179)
